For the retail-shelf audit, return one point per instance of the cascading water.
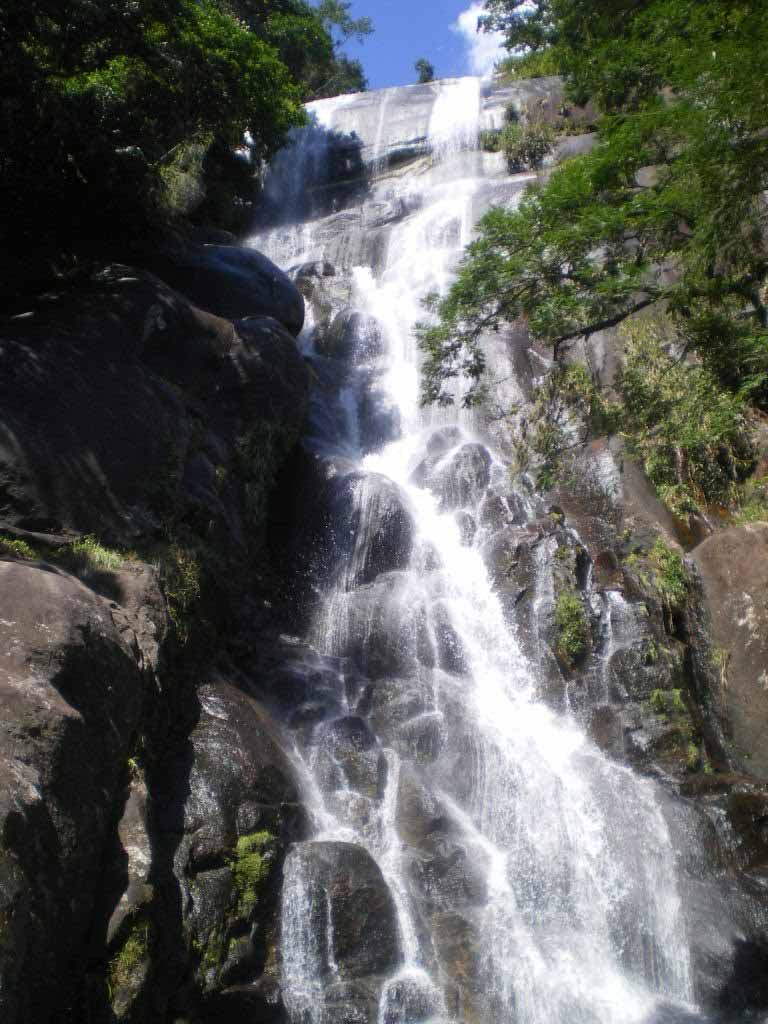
(529, 877)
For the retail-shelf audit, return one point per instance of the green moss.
(572, 629)
(651, 652)
(692, 757)
(671, 576)
(133, 953)
(250, 866)
(667, 703)
(212, 951)
(18, 548)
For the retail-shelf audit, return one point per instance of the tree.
(425, 69)
(668, 206)
(309, 41)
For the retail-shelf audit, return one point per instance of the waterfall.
(526, 876)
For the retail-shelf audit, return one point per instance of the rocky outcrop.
(73, 675)
(144, 816)
(733, 569)
(122, 404)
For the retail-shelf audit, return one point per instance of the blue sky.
(409, 29)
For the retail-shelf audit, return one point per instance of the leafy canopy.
(667, 206)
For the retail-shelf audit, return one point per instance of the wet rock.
(378, 419)
(363, 937)
(733, 567)
(372, 527)
(352, 334)
(458, 944)
(447, 875)
(467, 527)
(637, 671)
(461, 480)
(259, 1003)
(379, 628)
(226, 809)
(315, 268)
(408, 997)
(354, 751)
(450, 651)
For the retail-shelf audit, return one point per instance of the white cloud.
(483, 48)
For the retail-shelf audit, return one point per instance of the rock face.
(71, 692)
(125, 399)
(733, 567)
(146, 801)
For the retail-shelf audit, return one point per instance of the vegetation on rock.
(667, 208)
(133, 953)
(524, 145)
(250, 867)
(572, 627)
(425, 69)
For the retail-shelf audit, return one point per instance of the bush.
(15, 547)
(539, 64)
(572, 627)
(526, 145)
(690, 433)
(671, 575)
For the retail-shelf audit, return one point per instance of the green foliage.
(572, 627)
(260, 453)
(534, 64)
(526, 145)
(250, 866)
(671, 575)
(308, 40)
(132, 955)
(753, 502)
(15, 547)
(106, 108)
(425, 69)
(689, 431)
(601, 238)
(667, 703)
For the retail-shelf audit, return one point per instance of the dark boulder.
(226, 808)
(232, 282)
(103, 393)
(370, 528)
(70, 702)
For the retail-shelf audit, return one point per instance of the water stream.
(536, 880)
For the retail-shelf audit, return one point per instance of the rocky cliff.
(142, 438)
